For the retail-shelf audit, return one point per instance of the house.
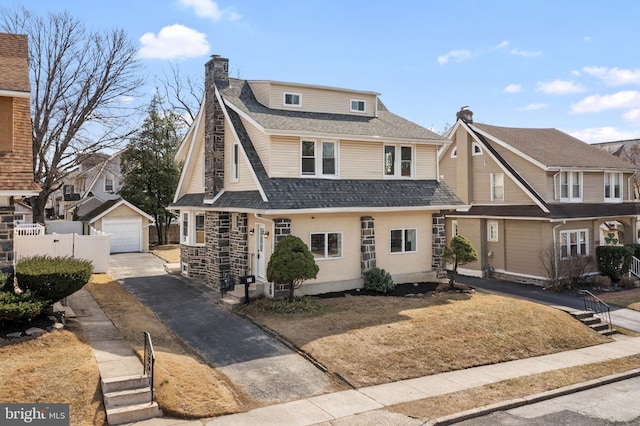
(16, 173)
(629, 150)
(531, 192)
(265, 159)
(23, 212)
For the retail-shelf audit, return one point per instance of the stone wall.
(6, 237)
(239, 247)
(438, 241)
(282, 228)
(216, 75)
(216, 225)
(367, 244)
(196, 260)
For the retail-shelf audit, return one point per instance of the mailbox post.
(247, 280)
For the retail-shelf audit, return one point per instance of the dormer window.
(292, 99)
(398, 161)
(108, 184)
(358, 105)
(318, 158)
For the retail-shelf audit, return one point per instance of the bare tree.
(182, 94)
(80, 82)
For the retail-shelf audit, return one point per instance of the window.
(108, 184)
(358, 105)
(570, 186)
(292, 99)
(68, 189)
(403, 240)
(200, 228)
(454, 228)
(454, 153)
(612, 187)
(492, 231)
(398, 165)
(497, 186)
(234, 162)
(185, 227)
(192, 231)
(476, 149)
(326, 245)
(314, 165)
(573, 243)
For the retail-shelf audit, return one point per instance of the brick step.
(115, 384)
(127, 397)
(133, 413)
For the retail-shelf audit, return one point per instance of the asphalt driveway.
(266, 370)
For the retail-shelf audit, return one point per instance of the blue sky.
(574, 66)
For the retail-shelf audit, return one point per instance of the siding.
(245, 180)
(426, 159)
(472, 230)
(593, 187)
(196, 183)
(483, 166)
(320, 100)
(360, 160)
(260, 143)
(261, 91)
(285, 157)
(525, 244)
(448, 168)
(534, 175)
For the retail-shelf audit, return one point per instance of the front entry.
(260, 255)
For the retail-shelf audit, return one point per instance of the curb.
(532, 399)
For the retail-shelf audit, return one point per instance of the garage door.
(126, 233)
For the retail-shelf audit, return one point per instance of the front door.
(260, 256)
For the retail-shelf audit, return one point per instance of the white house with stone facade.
(357, 183)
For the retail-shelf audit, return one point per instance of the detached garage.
(127, 225)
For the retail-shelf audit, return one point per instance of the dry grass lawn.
(185, 386)
(57, 367)
(627, 299)
(168, 252)
(373, 340)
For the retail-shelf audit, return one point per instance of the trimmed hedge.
(52, 278)
(636, 249)
(377, 279)
(614, 261)
(21, 306)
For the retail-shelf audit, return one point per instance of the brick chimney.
(465, 114)
(216, 75)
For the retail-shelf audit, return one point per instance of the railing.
(29, 229)
(597, 306)
(149, 360)
(635, 266)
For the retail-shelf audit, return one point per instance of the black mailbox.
(247, 279)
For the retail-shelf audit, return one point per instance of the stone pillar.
(216, 75)
(438, 241)
(217, 242)
(282, 228)
(239, 247)
(367, 244)
(6, 237)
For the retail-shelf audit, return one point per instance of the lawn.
(629, 299)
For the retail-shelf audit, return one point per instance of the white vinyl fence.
(90, 247)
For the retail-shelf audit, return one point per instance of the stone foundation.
(6, 237)
(438, 241)
(196, 260)
(239, 247)
(367, 244)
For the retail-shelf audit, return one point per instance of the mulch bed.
(404, 290)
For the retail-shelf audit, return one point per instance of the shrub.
(291, 263)
(377, 279)
(614, 261)
(601, 281)
(52, 278)
(5, 279)
(636, 249)
(628, 282)
(21, 306)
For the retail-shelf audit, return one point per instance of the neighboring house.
(16, 172)
(127, 225)
(265, 159)
(23, 213)
(628, 150)
(534, 191)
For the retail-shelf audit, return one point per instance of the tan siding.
(593, 187)
(285, 157)
(360, 160)
(524, 242)
(532, 174)
(260, 143)
(245, 180)
(495, 251)
(261, 91)
(196, 183)
(471, 229)
(426, 159)
(483, 166)
(123, 211)
(321, 100)
(448, 168)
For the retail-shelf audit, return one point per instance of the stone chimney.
(216, 76)
(465, 114)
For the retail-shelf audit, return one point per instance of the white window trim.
(493, 224)
(397, 167)
(570, 198)
(113, 184)
(612, 199)
(326, 246)
(403, 251)
(284, 99)
(454, 152)
(454, 228)
(473, 149)
(191, 237)
(577, 232)
(364, 105)
(235, 162)
(318, 158)
(492, 186)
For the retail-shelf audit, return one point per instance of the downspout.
(554, 251)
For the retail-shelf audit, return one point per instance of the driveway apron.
(265, 369)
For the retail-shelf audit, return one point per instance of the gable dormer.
(313, 98)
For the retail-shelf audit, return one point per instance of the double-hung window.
(326, 245)
(185, 228)
(318, 158)
(192, 228)
(108, 184)
(612, 187)
(570, 186)
(492, 231)
(574, 243)
(404, 240)
(398, 161)
(199, 228)
(497, 186)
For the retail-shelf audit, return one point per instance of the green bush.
(614, 261)
(21, 306)
(52, 278)
(4, 282)
(291, 263)
(636, 249)
(377, 279)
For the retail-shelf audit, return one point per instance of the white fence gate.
(90, 247)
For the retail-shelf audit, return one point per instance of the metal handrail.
(149, 360)
(600, 309)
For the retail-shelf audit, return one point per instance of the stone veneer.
(439, 241)
(216, 225)
(6, 237)
(195, 257)
(282, 228)
(216, 75)
(239, 246)
(367, 244)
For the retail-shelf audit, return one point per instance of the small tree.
(291, 263)
(459, 251)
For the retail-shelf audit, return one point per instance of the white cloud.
(614, 76)
(457, 55)
(577, 73)
(127, 99)
(596, 103)
(586, 39)
(533, 107)
(174, 41)
(559, 87)
(632, 115)
(210, 9)
(501, 45)
(513, 88)
(603, 134)
(526, 53)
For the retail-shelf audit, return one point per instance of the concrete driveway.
(264, 368)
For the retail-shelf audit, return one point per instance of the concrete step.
(133, 413)
(599, 326)
(230, 303)
(255, 290)
(121, 383)
(127, 397)
(581, 314)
